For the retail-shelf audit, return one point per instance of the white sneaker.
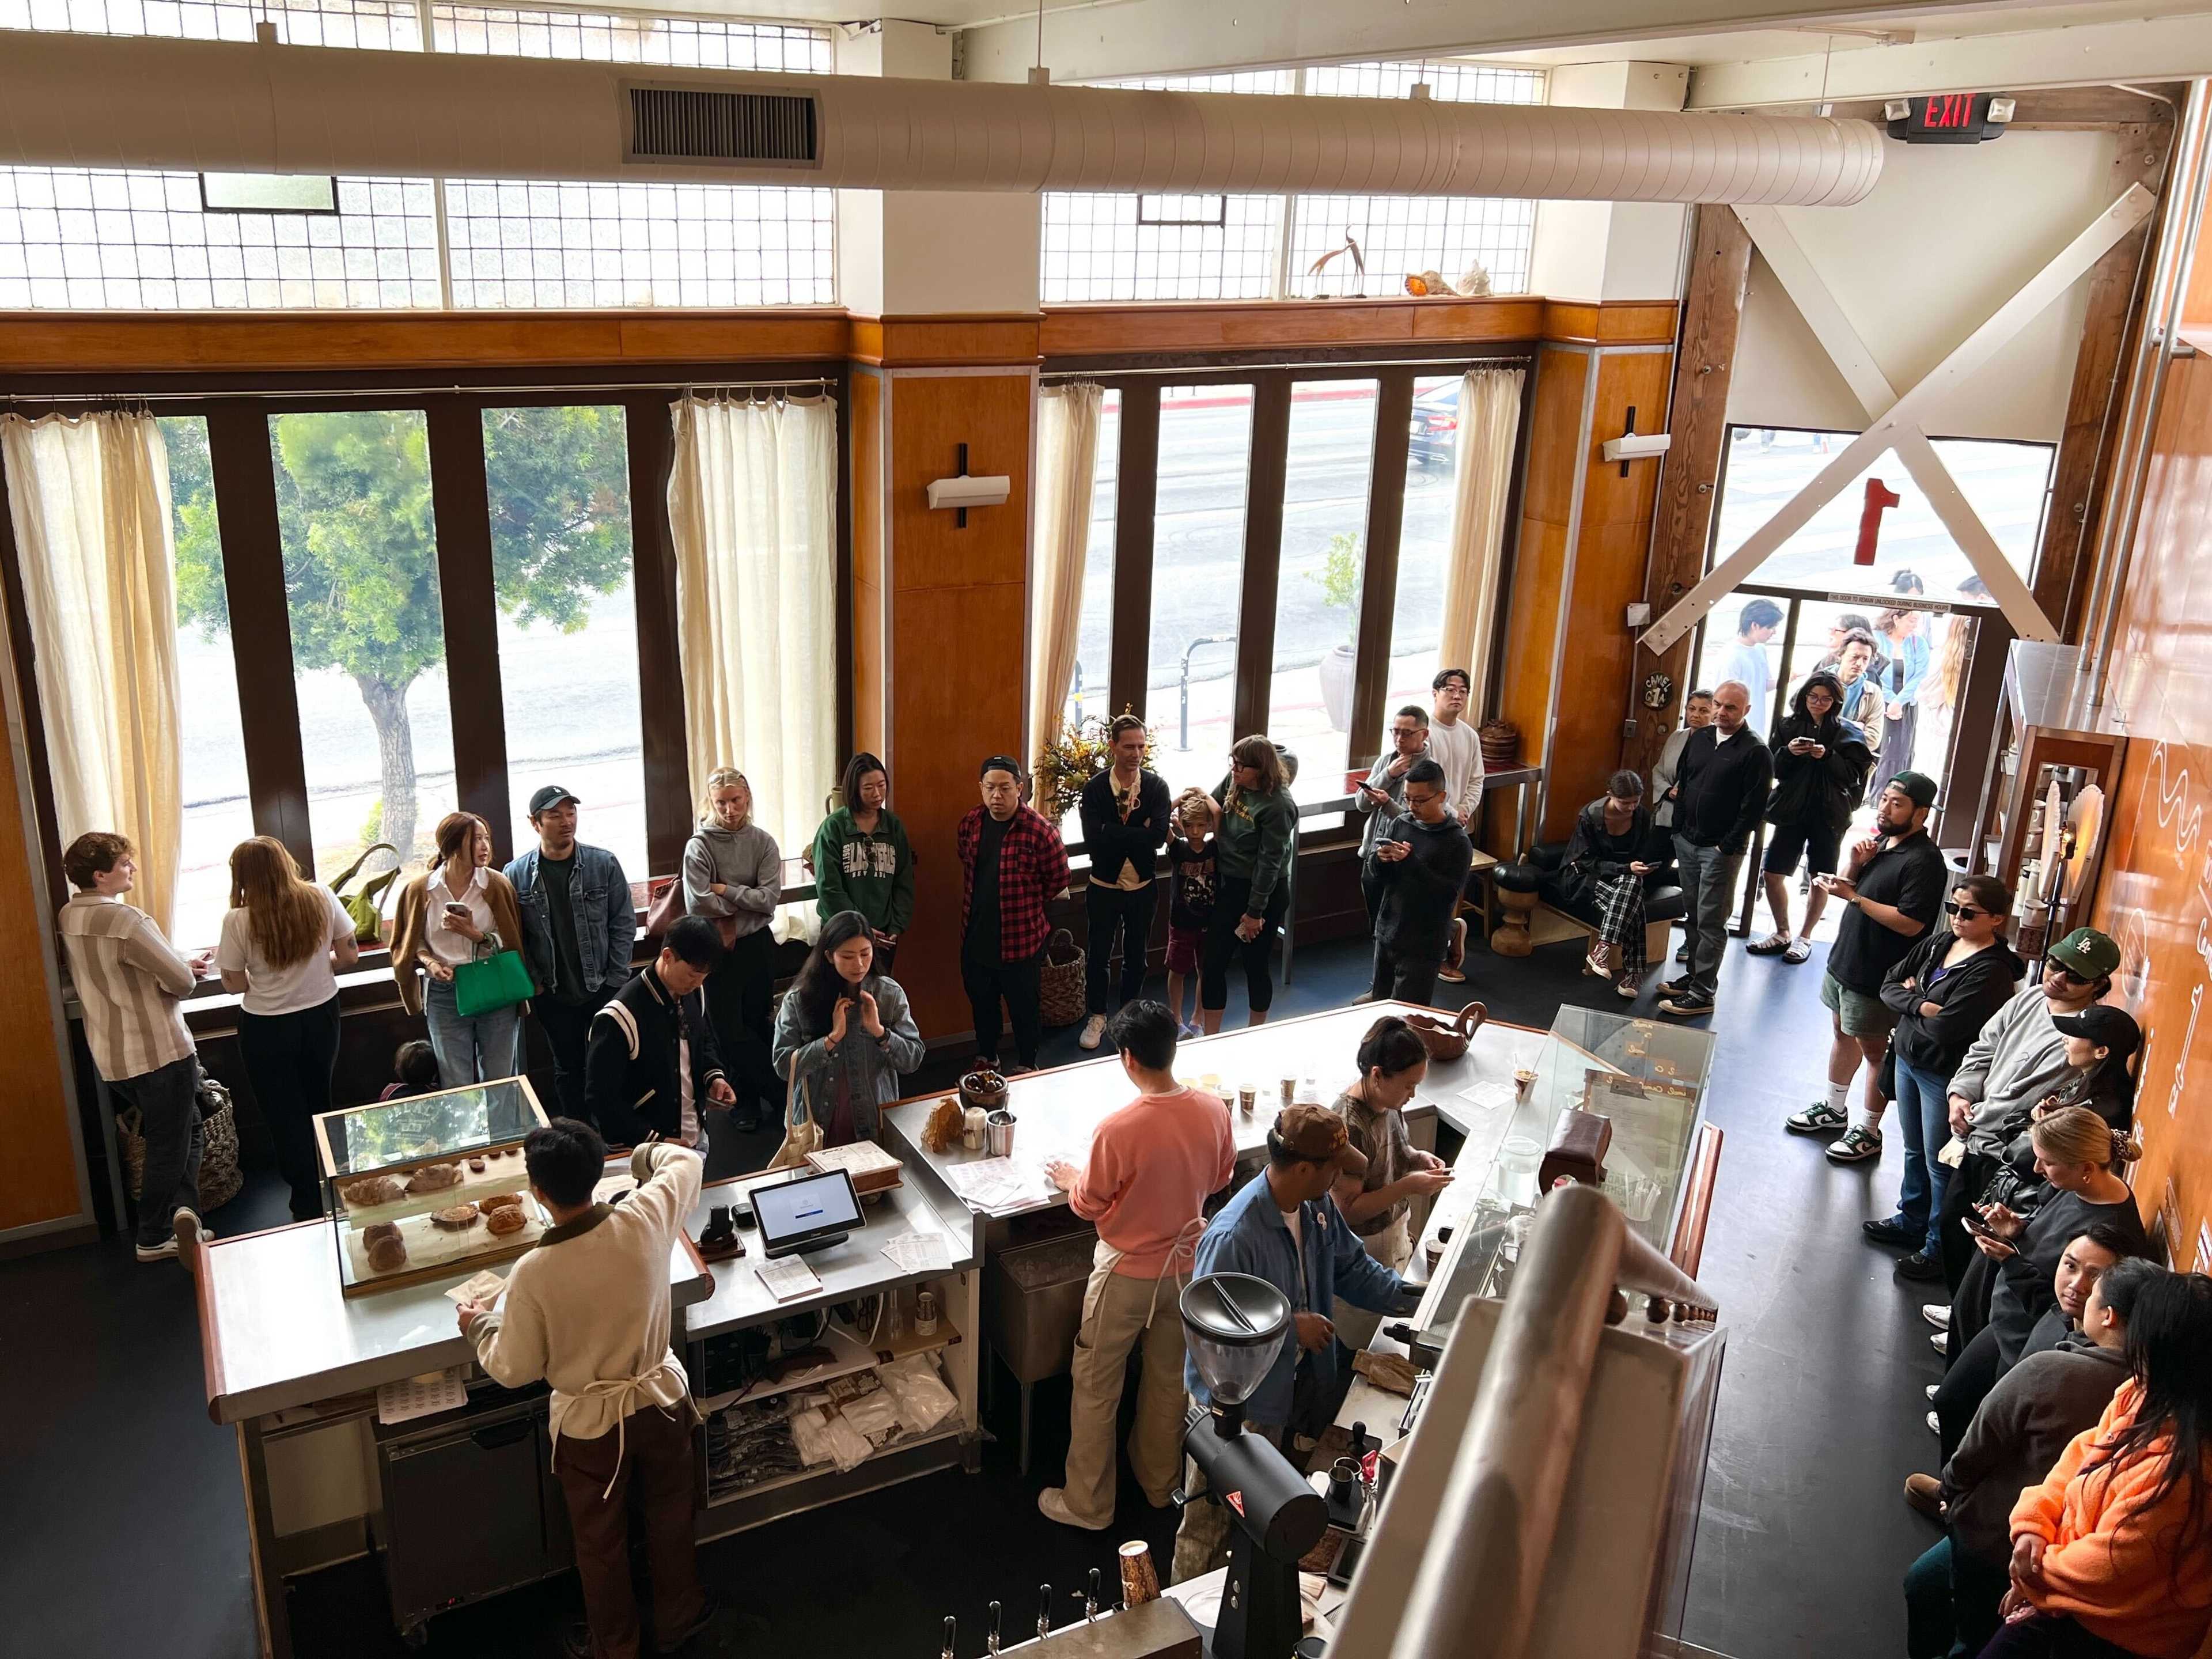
(1942, 1343)
(1932, 1387)
(186, 1228)
(1934, 1423)
(1051, 1504)
(165, 1251)
(1093, 1031)
(1937, 1314)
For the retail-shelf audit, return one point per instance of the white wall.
(1944, 240)
(1611, 249)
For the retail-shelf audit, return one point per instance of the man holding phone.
(1383, 796)
(1419, 867)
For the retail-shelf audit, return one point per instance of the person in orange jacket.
(2113, 1554)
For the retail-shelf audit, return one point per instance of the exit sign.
(1949, 117)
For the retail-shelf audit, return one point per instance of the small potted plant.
(1339, 578)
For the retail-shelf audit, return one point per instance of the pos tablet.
(810, 1214)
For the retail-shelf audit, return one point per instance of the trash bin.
(1036, 1308)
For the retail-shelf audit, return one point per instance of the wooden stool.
(1516, 898)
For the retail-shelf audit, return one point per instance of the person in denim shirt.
(1284, 1228)
(578, 926)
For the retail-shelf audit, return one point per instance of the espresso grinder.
(1235, 1325)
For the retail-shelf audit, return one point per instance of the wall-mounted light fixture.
(1634, 446)
(958, 494)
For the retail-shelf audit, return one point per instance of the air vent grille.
(688, 123)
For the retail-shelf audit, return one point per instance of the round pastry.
(377, 1229)
(507, 1219)
(476, 1166)
(373, 1190)
(457, 1220)
(386, 1250)
(500, 1202)
(434, 1177)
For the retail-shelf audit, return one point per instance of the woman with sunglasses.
(1943, 991)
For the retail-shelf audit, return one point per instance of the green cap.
(2087, 953)
(1916, 787)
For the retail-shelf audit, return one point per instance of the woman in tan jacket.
(458, 909)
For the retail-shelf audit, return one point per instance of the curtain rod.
(323, 394)
(1526, 359)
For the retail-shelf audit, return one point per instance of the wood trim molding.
(1610, 322)
(1116, 330)
(944, 342)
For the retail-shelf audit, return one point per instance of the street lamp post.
(1183, 728)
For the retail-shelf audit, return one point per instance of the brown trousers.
(656, 1450)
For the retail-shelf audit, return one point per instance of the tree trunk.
(395, 754)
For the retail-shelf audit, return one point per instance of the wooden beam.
(652, 437)
(2115, 289)
(1823, 313)
(1704, 364)
(1378, 589)
(1136, 494)
(470, 609)
(1263, 551)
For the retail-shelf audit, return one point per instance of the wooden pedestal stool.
(1516, 898)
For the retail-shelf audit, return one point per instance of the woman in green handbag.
(454, 956)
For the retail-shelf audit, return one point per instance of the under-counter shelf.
(731, 1494)
(852, 1356)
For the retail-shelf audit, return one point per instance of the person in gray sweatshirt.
(733, 875)
(2019, 1058)
(1419, 863)
(1952, 1593)
(1382, 797)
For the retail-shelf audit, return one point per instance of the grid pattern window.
(608, 37)
(382, 25)
(88, 238)
(1403, 234)
(1095, 248)
(521, 244)
(1454, 83)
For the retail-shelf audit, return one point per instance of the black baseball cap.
(551, 794)
(2105, 1025)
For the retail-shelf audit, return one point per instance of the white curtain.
(1067, 463)
(1489, 426)
(752, 505)
(88, 496)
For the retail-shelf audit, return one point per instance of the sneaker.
(1893, 1233)
(1682, 956)
(165, 1251)
(1689, 1006)
(1859, 1143)
(1675, 987)
(1191, 1029)
(1628, 987)
(1364, 996)
(1454, 972)
(186, 1228)
(1925, 1493)
(1920, 1266)
(1934, 1423)
(1942, 1343)
(1817, 1119)
(1094, 1029)
(1934, 1389)
(1051, 1504)
(712, 1606)
(1937, 1314)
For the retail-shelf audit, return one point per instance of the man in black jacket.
(1418, 865)
(1125, 823)
(652, 1065)
(1720, 790)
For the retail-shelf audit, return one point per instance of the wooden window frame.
(237, 408)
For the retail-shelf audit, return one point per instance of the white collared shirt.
(443, 940)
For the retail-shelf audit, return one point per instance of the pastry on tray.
(500, 1202)
(387, 1248)
(434, 1177)
(458, 1218)
(372, 1190)
(506, 1219)
(476, 1166)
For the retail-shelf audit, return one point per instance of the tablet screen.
(797, 1209)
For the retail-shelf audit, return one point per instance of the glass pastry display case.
(1647, 1080)
(431, 1185)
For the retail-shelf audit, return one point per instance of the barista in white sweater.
(588, 1311)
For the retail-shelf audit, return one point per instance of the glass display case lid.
(452, 1123)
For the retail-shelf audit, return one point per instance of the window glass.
(558, 485)
(1424, 548)
(385, 25)
(1098, 246)
(1324, 565)
(369, 642)
(1197, 575)
(1404, 235)
(608, 37)
(218, 805)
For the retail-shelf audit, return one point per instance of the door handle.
(493, 1435)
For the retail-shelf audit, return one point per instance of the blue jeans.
(1923, 1115)
(1951, 1602)
(475, 1050)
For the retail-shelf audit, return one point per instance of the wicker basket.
(220, 1178)
(1060, 984)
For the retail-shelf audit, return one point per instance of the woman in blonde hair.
(458, 909)
(284, 942)
(2013, 1282)
(733, 875)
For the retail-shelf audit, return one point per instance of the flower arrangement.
(1074, 755)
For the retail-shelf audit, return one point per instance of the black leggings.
(1231, 894)
(288, 1061)
(739, 991)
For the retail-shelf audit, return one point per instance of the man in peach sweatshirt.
(1152, 1167)
(2113, 1554)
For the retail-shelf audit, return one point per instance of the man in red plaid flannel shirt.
(1012, 862)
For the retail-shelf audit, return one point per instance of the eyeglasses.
(2070, 976)
(1964, 912)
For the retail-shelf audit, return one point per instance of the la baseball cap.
(2087, 953)
(551, 794)
(1318, 1135)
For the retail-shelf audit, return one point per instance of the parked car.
(1435, 426)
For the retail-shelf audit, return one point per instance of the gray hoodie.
(746, 862)
(2027, 1420)
(2019, 1058)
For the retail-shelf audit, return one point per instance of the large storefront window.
(1198, 573)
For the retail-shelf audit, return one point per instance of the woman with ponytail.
(2113, 1554)
(1378, 1207)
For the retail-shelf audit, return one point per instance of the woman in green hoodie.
(1259, 830)
(861, 859)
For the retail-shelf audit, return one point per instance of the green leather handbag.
(490, 983)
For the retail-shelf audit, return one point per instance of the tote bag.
(498, 980)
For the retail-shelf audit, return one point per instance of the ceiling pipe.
(107, 101)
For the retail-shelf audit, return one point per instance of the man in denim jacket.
(577, 927)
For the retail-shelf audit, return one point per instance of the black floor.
(126, 1530)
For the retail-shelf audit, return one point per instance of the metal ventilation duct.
(92, 101)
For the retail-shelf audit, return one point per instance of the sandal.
(1801, 949)
(1772, 945)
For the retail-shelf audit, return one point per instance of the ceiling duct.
(105, 101)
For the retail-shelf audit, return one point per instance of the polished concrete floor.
(126, 1533)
